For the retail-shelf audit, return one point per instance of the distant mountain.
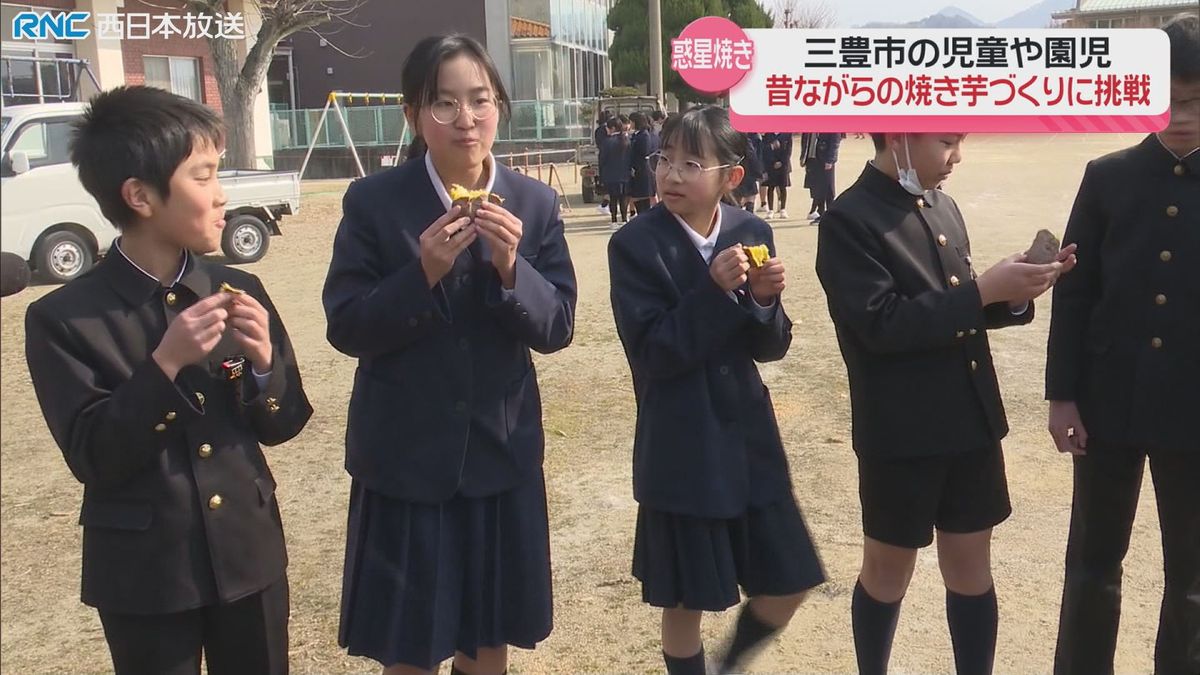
(1038, 16)
(938, 20)
(959, 12)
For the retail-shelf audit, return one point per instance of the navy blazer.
(827, 148)
(706, 442)
(614, 159)
(752, 163)
(642, 145)
(783, 153)
(445, 396)
(912, 329)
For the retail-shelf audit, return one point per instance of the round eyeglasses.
(687, 171)
(446, 111)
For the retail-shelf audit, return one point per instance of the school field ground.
(1008, 188)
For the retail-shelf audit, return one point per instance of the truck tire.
(245, 239)
(589, 195)
(62, 256)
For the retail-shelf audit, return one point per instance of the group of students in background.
(768, 166)
(625, 144)
(161, 373)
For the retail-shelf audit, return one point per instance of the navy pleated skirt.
(700, 563)
(422, 581)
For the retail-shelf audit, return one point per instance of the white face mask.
(908, 178)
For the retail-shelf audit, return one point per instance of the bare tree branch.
(240, 79)
(332, 45)
(803, 14)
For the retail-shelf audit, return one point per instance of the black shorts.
(905, 498)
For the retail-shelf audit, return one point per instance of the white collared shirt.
(707, 247)
(440, 187)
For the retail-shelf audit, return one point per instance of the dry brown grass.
(1008, 187)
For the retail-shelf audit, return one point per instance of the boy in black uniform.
(1122, 374)
(912, 320)
(159, 374)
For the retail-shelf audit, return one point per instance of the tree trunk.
(239, 87)
(239, 130)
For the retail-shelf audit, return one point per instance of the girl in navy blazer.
(715, 504)
(643, 144)
(447, 550)
(753, 167)
(614, 169)
(777, 160)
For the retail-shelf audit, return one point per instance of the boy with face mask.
(911, 318)
(1124, 359)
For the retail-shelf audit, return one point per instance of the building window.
(177, 75)
(34, 71)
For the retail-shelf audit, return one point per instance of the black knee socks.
(750, 633)
(973, 620)
(874, 625)
(690, 665)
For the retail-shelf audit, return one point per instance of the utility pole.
(656, 56)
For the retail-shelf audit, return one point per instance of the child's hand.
(251, 330)
(192, 334)
(1014, 281)
(441, 243)
(1066, 428)
(729, 268)
(502, 231)
(767, 282)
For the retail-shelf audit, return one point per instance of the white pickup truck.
(48, 220)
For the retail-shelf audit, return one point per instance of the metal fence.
(531, 121)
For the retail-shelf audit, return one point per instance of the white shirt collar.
(178, 277)
(703, 245)
(1164, 145)
(440, 187)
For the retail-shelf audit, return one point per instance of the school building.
(150, 52)
(544, 49)
(1123, 13)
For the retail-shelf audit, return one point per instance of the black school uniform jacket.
(706, 442)
(901, 291)
(178, 503)
(445, 396)
(782, 154)
(1125, 330)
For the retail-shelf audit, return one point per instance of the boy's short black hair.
(880, 141)
(658, 116)
(1184, 34)
(138, 132)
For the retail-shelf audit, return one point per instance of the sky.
(858, 12)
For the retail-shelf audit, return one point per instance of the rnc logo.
(50, 25)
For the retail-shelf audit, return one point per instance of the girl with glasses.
(715, 507)
(447, 551)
